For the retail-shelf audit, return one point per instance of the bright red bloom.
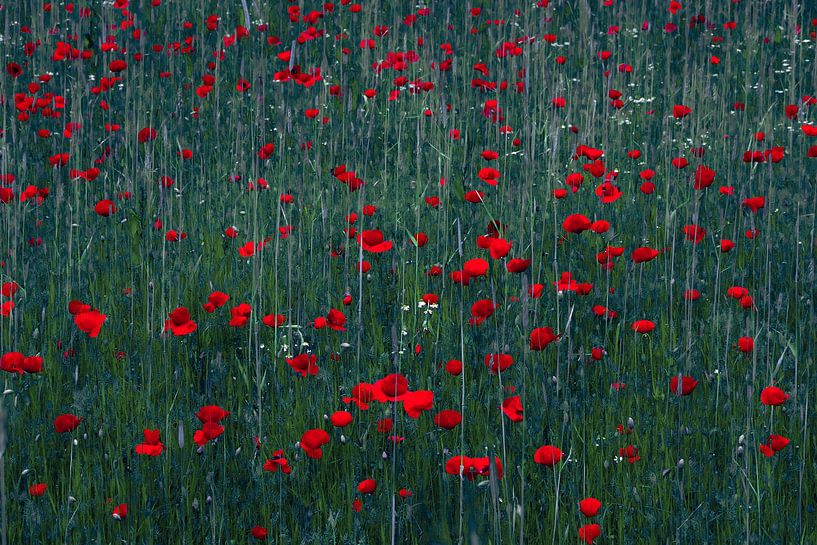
(453, 367)
(66, 423)
(644, 254)
(215, 300)
(630, 452)
(341, 419)
(643, 326)
(372, 241)
(152, 446)
(548, 455)
(367, 486)
(304, 364)
(37, 489)
(589, 507)
(688, 384)
(12, 362)
(180, 323)
(497, 363)
(240, 315)
(541, 337)
(212, 413)
(277, 462)
(447, 419)
(312, 441)
(120, 511)
(90, 322)
(772, 395)
(260, 533)
(472, 467)
(208, 432)
(414, 403)
(746, 344)
(512, 408)
(589, 532)
(392, 387)
(274, 320)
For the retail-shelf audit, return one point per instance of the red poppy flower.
(512, 408)
(367, 486)
(589, 507)
(12, 362)
(304, 364)
(312, 441)
(772, 395)
(643, 326)
(120, 511)
(517, 265)
(589, 532)
(746, 344)
(773, 445)
(208, 432)
(447, 419)
(240, 315)
(644, 254)
(90, 322)
(694, 233)
(105, 207)
(392, 387)
(548, 455)
(341, 419)
(260, 533)
(336, 320)
(576, 223)
(277, 462)
(37, 489)
(180, 323)
(66, 423)
(630, 452)
(679, 111)
(754, 203)
(414, 403)
(453, 367)
(372, 241)
(688, 384)
(497, 363)
(152, 446)
(215, 300)
(147, 134)
(541, 337)
(274, 320)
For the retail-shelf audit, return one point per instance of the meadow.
(384, 272)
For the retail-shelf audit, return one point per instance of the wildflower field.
(385, 272)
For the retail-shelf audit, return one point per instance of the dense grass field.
(446, 273)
